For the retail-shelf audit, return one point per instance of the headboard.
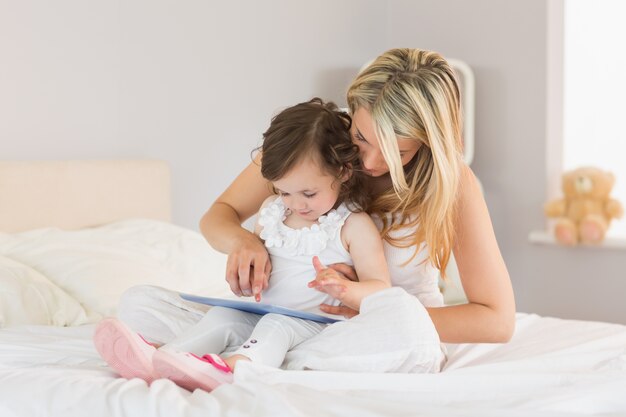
(76, 194)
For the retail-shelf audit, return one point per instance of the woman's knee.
(139, 299)
(395, 299)
(396, 309)
(137, 295)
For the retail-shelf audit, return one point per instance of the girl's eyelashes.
(307, 195)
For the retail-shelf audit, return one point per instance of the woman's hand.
(346, 270)
(248, 268)
(345, 311)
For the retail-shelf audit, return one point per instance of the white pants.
(263, 339)
(392, 333)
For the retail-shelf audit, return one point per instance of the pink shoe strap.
(214, 360)
(147, 343)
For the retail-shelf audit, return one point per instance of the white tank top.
(291, 252)
(419, 277)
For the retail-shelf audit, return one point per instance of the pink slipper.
(191, 371)
(124, 350)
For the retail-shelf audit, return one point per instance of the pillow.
(27, 297)
(96, 265)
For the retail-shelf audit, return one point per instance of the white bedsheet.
(552, 367)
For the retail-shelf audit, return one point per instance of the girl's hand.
(329, 281)
(335, 284)
(248, 268)
(350, 293)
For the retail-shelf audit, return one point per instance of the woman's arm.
(221, 226)
(489, 315)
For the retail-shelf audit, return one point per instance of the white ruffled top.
(291, 253)
(304, 241)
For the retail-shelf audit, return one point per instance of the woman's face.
(364, 136)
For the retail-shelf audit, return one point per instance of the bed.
(75, 234)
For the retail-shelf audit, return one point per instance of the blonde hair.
(414, 94)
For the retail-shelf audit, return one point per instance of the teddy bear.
(586, 210)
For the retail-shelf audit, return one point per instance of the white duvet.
(552, 367)
(51, 276)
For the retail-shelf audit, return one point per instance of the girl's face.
(364, 136)
(308, 191)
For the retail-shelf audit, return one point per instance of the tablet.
(259, 308)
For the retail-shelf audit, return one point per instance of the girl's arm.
(248, 264)
(362, 240)
(489, 315)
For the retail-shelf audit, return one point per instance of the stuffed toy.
(585, 212)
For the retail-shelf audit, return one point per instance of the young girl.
(317, 218)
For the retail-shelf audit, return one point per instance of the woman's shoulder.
(466, 174)
(470, 188)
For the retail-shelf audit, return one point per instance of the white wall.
(196, 82)
(191, 82)
(505, 42)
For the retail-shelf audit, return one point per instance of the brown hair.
(321, 131)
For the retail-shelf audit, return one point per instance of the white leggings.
(263, 339)
(392, 333)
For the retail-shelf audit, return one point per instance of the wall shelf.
(542, 237)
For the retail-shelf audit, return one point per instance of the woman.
(407, 124)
